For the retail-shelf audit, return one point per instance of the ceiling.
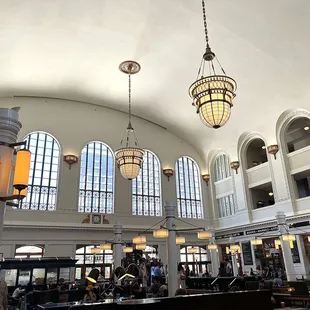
(71, 49)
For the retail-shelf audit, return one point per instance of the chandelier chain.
(129, 98)
(205, 21)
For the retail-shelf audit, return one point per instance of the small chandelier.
(95, 250)
(257, 242)
(128, 249)
(212, 94)
(106, 246)
(129, 158)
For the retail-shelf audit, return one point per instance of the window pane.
(96, 194)
(146, 188)
(38, 276)
(43, 177)
(188, 189)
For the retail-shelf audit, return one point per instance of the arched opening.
(29, 251)
(197, 260)
(256, 153)
(297, 134)
(87, 261)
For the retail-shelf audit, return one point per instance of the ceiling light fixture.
(179, 240)
(270, 194)
(213, 94)
(264, 147)
(129, 158)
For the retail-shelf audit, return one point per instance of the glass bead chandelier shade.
(129, 160)
(212, 98)
(192, 250)
(212, 94)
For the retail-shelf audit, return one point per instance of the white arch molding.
(213, 155)
(243, 143)
(284, 120)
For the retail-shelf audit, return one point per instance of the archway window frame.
(147, 198)
(32, 187)
(29, 253)
(108, 195)
(191, 204)
(222, 168)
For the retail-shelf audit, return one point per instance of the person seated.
(155, 286)
(18, 291)
(163, 289)
(277, 281)
(180, 292)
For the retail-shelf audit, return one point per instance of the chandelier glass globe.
(212, 94)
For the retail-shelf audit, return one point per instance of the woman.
(181, 277)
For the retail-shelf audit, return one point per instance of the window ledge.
(304, 149)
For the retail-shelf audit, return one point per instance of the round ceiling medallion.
(129, 67)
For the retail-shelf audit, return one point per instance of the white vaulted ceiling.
(71, 49)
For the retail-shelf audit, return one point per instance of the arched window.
(198, 261)
(29, 251)
(297, 135)
(146, 189)
(96, 193)
(222, 168)
(44, 169)
(188, 188)
(256, 153)
(87, 261)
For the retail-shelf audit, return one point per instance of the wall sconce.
(168, 173)
(70, 160)
(273, 149)
(235, 165)
(206, 178)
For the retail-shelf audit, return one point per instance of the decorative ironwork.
(44, 169)
(146, 189)
(188, 189)
(96, 194)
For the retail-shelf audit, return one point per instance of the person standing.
(181, 277)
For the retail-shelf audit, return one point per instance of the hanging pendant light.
(192, 250)
(179, 240)
(139, 239)
(128, 249)
(130, 157)
(141, 246)
(212, 94)
(106, 246)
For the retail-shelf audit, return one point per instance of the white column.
(215, 262)
(9, 129)
(234, 263)
(162, 253)
(171, 249)
(286, 250)
(117, 246)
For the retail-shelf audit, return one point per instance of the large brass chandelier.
(213, 94)
(130, 157)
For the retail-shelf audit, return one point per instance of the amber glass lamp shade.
(139, 239)
(95, 250)
(160, 233)
(105, 246)
(22, 169)
(128, 249)
(204, 235)
(179, 240)
(140, 246)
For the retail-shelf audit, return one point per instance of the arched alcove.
(256, 153)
